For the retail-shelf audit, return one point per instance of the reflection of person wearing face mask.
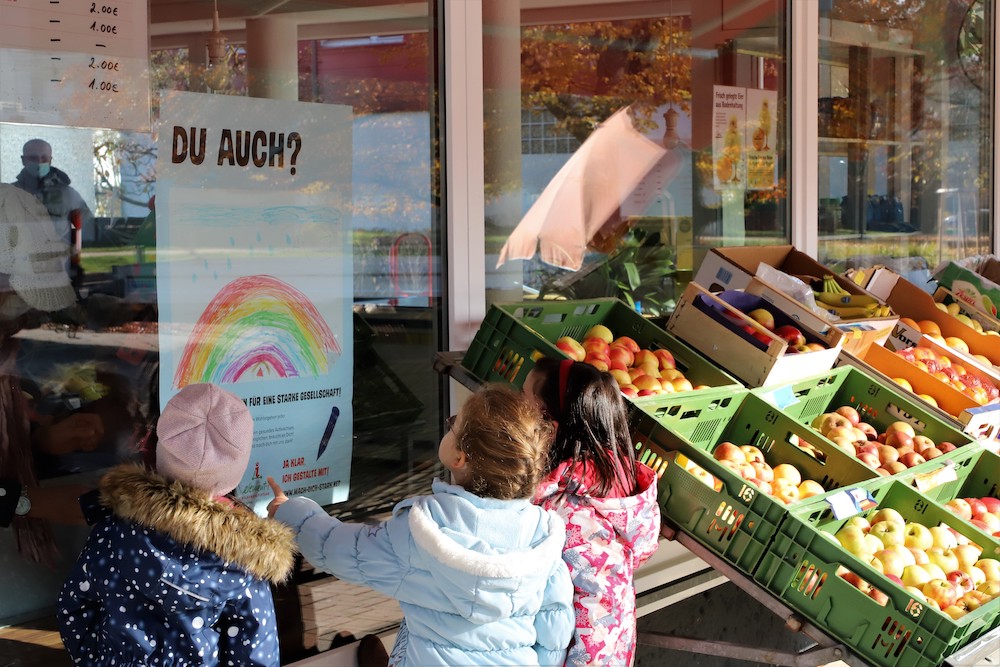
(51, 186)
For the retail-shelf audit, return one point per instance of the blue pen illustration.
(328, 433)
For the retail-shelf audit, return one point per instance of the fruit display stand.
(877, 618)
(717, 325)
(512, 336)
(732, 269)
(911, 302)
(982, 422)
(879, 402)
(726, 512)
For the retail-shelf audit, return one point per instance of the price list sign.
(75, 63)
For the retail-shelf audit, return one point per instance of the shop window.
(673, 116)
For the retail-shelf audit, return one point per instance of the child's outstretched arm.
(359, 553)
(555, 622)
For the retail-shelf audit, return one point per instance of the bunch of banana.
(838, 301)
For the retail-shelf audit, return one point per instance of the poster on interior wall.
(255, 277)
(761, 155)
(75, 63)
(729, 116)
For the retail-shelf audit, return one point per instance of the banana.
(845, 299)
(848, 313)
(830, 284)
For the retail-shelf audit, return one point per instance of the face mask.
(43, 169)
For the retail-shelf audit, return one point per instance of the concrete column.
(272, 59)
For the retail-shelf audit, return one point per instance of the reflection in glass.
(903, 134)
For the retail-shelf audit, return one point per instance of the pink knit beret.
(204, 438)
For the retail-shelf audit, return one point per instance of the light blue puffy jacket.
(480, 581)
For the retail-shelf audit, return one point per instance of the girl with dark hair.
(606, 498)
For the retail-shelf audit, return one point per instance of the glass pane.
(905, 150)
(619, 138)
(286, 151)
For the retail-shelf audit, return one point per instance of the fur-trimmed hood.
(262, 547)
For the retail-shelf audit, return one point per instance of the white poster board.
(729, 119)
(255, 277)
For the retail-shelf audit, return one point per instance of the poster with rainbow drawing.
(255, 278)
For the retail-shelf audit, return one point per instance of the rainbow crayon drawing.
(257, 327)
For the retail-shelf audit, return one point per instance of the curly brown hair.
(506, 441)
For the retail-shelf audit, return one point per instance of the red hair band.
(564, 367)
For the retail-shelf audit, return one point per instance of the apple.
(600, 331)
(899, 439)
(727, 451)
(976, 505)
(887, 454)
(992, 521)
(978, 576)
(915, 575)
(887, 514)
(764, 471)
(870, 460)
(763, 317)
(975, 599)
(860, 522)
(990, 567)
(895, 467)
(931, 453)
(873, 543)
(934, 570)
(597, 361)
(671, 374)
(597, 346)
(910, 459)
(809, 488)
(968, 555)
(752, 453)
(629, 390)
(919, 556)
(941, 591)
(878, 596)
(620, 376)
(922, 442)
(627, 343)
(786, 491)
(665, 358)
(957, 610)
(889, 532)
(960, 507)
(868, 430)
(943, 558)
(857, 582)
(894, 579)
(619, 355)
(647, 382)
(571, 348)
(852, 539)
(891, 562)
(992, 504)
(917, 536)
(905, 554)
(943, 537)
(901, 426)
(682, 384)
(789, 472)
(990, 587)
(850, 413)
(915, 592)
(791, 335)
(961, 580)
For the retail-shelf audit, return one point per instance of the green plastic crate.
(878, 402)
(512, 336)
(693, 507)
(977, 474)
(801, 565)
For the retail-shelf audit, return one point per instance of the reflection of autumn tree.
(583, 72)
(117, 155)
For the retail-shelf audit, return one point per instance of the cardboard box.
(732, 269)
(987, 322)
(972, 287)
(708, 322)
(914, 303)
(980, 421)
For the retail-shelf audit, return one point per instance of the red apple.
(627, 343)
(961, 580)
(727, 451)
(790, 335)
(851, 414)
(976, 506)
(941, 591)
(571, 348)
(960, 507)
(910, 459)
